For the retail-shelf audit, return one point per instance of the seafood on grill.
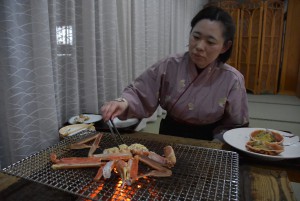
(123, 159)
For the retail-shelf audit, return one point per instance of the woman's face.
(206, 42)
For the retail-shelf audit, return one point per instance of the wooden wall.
(290, 74)
(287, 81)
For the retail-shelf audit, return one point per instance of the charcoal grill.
(199, 174)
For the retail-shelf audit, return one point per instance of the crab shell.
(278, 137)
(267, 148)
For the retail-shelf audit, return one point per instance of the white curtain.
(60, 58)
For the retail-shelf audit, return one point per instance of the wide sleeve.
(236, 109)
(143, 94)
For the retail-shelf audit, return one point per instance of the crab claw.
(108, 167)
(123, 170)
(159, 170)
(170, 156)
(168, 161)
(99, 174)
(134, 168)
(128, 171)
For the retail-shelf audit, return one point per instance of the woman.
(203, 96)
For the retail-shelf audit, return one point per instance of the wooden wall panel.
(272, 30)
(258, 45)
(250, 42)
(290, 75)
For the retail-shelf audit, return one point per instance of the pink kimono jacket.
(217, 93)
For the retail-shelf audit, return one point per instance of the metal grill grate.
(199, 174)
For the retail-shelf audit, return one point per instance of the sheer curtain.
(60, 58)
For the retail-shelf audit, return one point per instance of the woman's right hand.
(112, 109)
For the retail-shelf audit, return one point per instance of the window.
(64, 38)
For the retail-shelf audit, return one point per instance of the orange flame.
(121, 193)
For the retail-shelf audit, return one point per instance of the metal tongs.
(114, 131)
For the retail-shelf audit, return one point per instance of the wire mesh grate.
(199, 174)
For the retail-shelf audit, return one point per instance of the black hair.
(214, 13)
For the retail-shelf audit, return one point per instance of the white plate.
(238, 138)
(92, 118)
(125, 123)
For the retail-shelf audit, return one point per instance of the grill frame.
(199, 174)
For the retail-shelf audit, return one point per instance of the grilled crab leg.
(99, 174)
(74, 162)
(82, 144)
(134, 168)
(117, 160)
(124, 170)
(114, 156)
(128, 171)
(168, 160)
(95, 144)
(159, 171)
(105, 170)
(109, 166)
(82, 162)
(76, 165)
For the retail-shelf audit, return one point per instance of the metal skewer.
(114, 131)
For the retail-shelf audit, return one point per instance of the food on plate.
(123, 159)
(263, 147)
(266, 136)
(73, 129)
(265, 142)
(81, 119)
